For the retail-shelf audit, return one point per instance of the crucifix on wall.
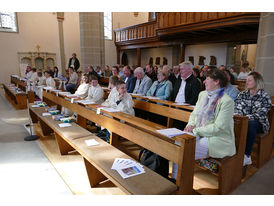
(38, 48)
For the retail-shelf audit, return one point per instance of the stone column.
(60, 19)
(265, 51)
(92, 39)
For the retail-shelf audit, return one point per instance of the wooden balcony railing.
(140, 31)
(170, 23)
(170, 19)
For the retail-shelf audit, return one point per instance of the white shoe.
(247, 160)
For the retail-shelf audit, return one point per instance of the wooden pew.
(99, 159)
(18, 99)
(22, 85)
(241, 84)
(265, 142)
(230, 168)
(146, 137)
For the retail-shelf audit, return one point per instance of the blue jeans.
(254, 128)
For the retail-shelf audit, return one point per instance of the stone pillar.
(60, 19)
(92, 39)
(265, 51)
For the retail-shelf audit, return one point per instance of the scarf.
(207, 108)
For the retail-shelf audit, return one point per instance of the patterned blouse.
(256, 107)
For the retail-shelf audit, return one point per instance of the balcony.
(190, 27)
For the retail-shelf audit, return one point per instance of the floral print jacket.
(256, 107)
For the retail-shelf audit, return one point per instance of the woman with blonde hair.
(254, 103)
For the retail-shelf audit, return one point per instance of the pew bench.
(49, 126)
(19, 99)
(99, 159)
(264, 142)
(230, 169)
(182, 155)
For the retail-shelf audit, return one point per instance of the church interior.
(56, 141)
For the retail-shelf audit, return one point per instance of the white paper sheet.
(46, 114)
(172, 132)
(85, 101)
(109, 109)
(65, 125)
(182, 103)
(34, 105)
(150, 97)
(91, 142)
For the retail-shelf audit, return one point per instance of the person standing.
(74, 62)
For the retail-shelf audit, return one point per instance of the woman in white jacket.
(95, 92)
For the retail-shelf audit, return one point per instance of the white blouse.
(82, 90)
(96, 94)
(50, 82)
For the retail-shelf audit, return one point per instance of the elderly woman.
(212, 120)
(161, 88)
(255, 103)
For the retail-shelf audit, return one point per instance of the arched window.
(108, 25)
(8, 22)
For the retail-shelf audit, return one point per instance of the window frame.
(105, 37)
(10, 30)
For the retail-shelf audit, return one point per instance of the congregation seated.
(115, 72)
(187, 87)
(196, 74)
(230, 90)
(244, 71)
(121, 72)
(129, 79)
(33, 75)
(95, 91)
(143, 82)
(73, 77)
(107, 71)
(119, 98)
(49, 80)
(212, 120)
(151, 73)
(255, 103)
(38, 83)
(233, 73)
(49, 70)
(161, 88)
(28, 72)
(91, 72)
(56, 73)
(79, 79)
(174, 75)
(82, 90)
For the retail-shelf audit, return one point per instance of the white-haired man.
(186, 88)
(143, 82)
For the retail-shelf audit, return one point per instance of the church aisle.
(25, 170)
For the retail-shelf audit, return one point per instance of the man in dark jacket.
(129, 79)
(74, 62)
(186, 88)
